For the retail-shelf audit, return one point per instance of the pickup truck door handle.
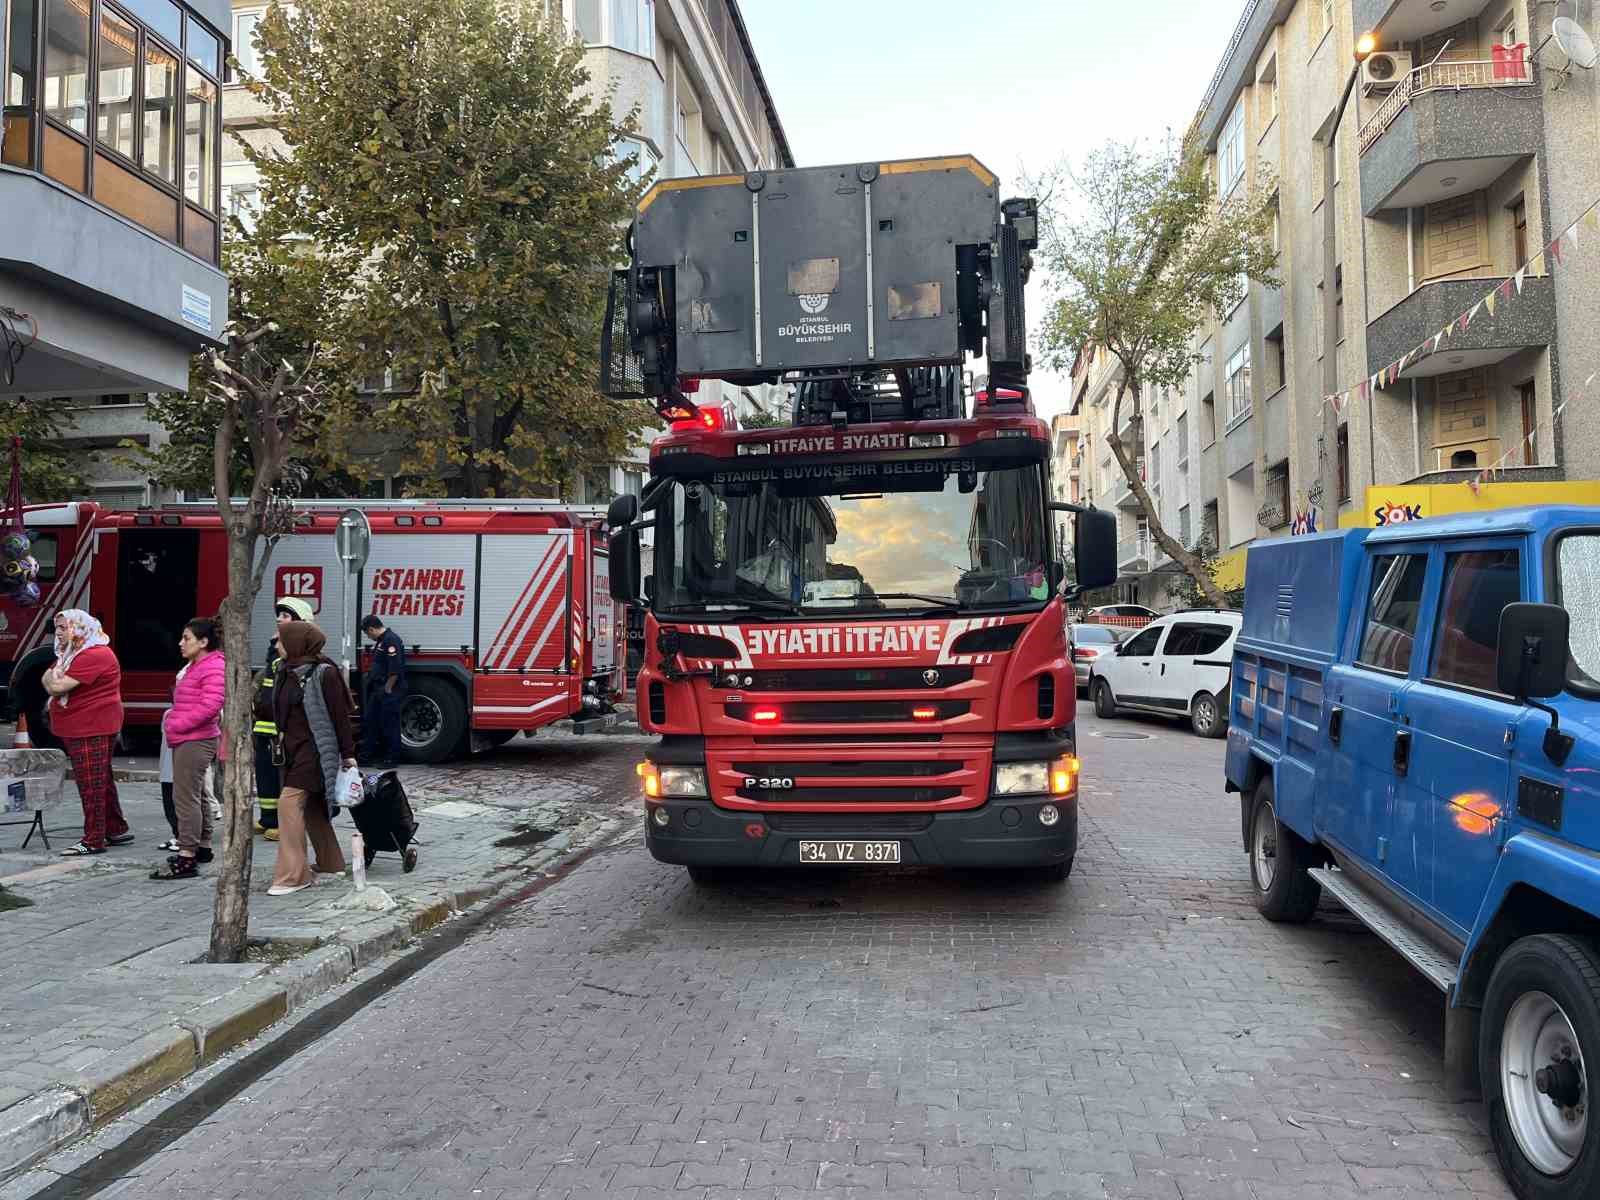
(1402, 751)
(1336, 725)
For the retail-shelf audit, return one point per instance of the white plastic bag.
(347, 788)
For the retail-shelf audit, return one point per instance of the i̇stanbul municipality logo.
(813, 302)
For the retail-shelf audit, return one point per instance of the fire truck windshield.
(883, 538)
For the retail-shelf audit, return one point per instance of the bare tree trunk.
(230, 924)
(1180, 554)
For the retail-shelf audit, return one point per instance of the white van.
(1178, 665)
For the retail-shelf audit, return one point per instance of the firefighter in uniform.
(383, 695)
(268, 782)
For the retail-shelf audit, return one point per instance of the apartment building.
(109, 190)
(704, 109)
(1466, 146)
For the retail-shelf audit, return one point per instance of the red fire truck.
(855, 650)
(504, 606)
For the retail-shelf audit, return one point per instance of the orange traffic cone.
(21, 741)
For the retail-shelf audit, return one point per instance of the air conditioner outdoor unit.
(1384, 71)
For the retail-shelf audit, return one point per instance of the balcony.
(1449, 128)
(1523, 321)
(1133, 555)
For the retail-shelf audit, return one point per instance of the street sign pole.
(352, 542)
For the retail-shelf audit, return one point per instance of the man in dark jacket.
(383, 695)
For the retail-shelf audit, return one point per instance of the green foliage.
(48, 472)
(452, 161)
(759, 419)
(1139, 251)
(1186, 591)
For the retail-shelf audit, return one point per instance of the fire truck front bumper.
(1006, 832)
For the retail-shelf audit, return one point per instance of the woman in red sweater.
(85, 711)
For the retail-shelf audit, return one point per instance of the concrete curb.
(40, 1125)
(230, 1020)
(135, 1073)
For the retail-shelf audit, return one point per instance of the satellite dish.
(1575, 42)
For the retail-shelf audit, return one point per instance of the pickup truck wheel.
(1279, 864)
(1104, 706)
(1205, 716)
(1540, 1034)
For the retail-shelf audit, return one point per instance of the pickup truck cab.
(1415, 729)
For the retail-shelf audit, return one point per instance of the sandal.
(170, 845)
(177, 867)
(81, 850)
(125, 839)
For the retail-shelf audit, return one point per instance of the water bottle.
(358, 861)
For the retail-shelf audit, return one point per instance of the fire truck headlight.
(1023, 778)
(660, 816)
(1048, 815)
(683, 782)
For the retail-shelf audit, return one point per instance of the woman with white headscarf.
(85, 686)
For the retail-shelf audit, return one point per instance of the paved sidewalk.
(105, 1002)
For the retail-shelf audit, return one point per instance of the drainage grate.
(1128, 737)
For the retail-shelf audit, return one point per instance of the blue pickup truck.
(1415, 730)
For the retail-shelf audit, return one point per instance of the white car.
(1178, 665)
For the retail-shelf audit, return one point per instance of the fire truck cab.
(503, 605)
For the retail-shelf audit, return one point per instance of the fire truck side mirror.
(1094, 548)
(623, 545)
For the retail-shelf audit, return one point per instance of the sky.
(1018, 83)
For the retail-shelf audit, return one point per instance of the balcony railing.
(1133, 553)
(1446, 75)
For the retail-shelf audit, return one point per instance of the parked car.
(1178, 665)
(1089, 643)
(1416, 732)
(1114, 613)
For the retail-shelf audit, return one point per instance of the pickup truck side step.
(1376, 916)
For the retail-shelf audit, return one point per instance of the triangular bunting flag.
(1556, 252)
(1472, 316)
(1505, 289)
(1590, 380)
(1488, 302)
(1437, 338)
(1592, 219)
(1536, 263)
(1574, 233)
(1522, 273)
(1464, 320)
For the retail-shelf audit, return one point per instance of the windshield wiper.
(753, 602)
(949, 602)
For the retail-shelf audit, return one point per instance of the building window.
(1208, 419)
(633, 26)
(1183, 441)
(1230, 152)
(1183, 525)
(1527, 401)
(1276, 365)
(1277, 497)
(1155, 465)
(1519, 232)
(1344, 462)
(131, 160)
(1338, 299)
(66, 65)
(587, 13)
(1239, 384)
(245, 51)
(641, 159)
(243, 203)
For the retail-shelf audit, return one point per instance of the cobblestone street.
(1139, 1032)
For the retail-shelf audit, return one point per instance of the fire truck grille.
(849, 795)
(847, 770)
(848, 712)
(847, 680)
(849, 823)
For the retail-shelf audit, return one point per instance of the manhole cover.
(1128, 737)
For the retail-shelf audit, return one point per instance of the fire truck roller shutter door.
(305, 566)
(523, 595)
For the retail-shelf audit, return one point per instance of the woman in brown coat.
(312, 709)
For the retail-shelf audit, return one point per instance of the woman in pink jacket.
(192, 729)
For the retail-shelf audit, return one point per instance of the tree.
(453, 153)
(48, 472)
(1139, 250)
(262, 393)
